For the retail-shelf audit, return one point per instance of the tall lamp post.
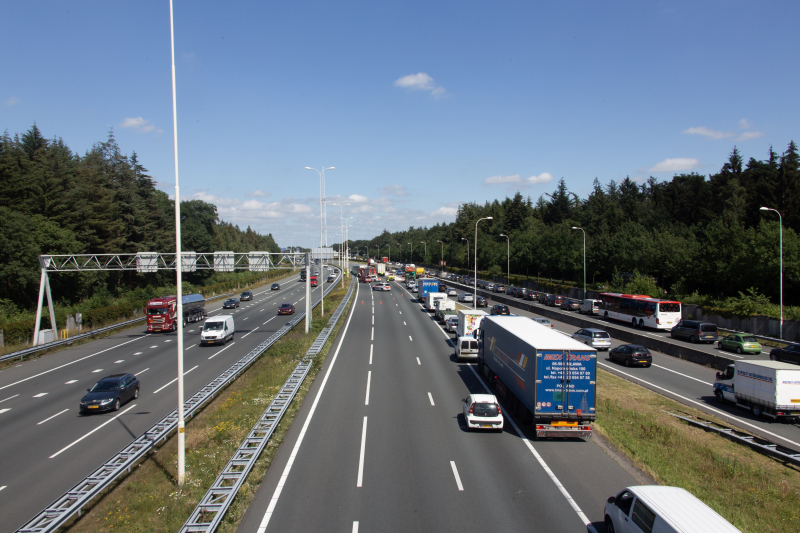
(780, 221)
(341, 216)
(412, 250)
(321, 241)
(584, 259)
(347, 243)
(508, 256)
(442, 260)
(467, 241)
(475, 278)
(426, 250)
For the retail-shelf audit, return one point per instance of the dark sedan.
(631, 355)
(246, 296)
(110, 393)
(481, 302)
(532, 296)
(286, 309)
(499, 310)
(789, 354)
(570, 305)
(231, 303)
(276, 287)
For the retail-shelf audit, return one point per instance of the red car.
(286, 309)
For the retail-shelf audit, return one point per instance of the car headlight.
(106, 402)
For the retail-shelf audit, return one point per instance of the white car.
(481, 411)
(452, 323)
(415, 289)
(465, 297)
(452, 292)
(543, 321)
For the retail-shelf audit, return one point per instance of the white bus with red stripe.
(640, 310)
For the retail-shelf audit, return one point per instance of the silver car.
(465, 297)
(489, 287)
(452, 292)
(596, 338)
(452, 323)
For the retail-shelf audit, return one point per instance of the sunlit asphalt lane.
(56, 457)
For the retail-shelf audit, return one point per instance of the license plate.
(642, 361)
(795, 413)
(93, 407)
(486, 425)
(210, 342)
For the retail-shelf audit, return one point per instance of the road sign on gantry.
(259, 261)
(223, 261)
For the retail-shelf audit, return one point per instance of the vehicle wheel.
(116, 404)
(233, 335)
(756, 411)
(606, 315)
(692, 339)
(771, 357)
(648, 365)
(720, 397)
(627, 362)
(174, 326)
(719, 345)
(641, 323)
(610, 526)
(185, 322)
(672, 334)
(136, 393)
(739, 350)
(633, 322)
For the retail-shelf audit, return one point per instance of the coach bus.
(640, 310)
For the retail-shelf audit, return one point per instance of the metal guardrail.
(756, 443)
(22, 353)
(72, 502)
(209, 513)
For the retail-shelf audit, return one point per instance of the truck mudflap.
(544, 431)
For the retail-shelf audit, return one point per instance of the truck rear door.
(567, 381)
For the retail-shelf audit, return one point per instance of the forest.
(694, 235)
(54, 201)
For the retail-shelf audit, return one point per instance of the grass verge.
(149, 499)
(752, 491)
(36, 355)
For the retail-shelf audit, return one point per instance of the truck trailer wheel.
(756, 410)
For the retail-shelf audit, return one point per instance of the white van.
(466, 348)
(590, 307)
(217, 330)
(657, 509)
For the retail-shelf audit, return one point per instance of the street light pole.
(321, 245)
(442, 260)
(780, 221)
(584, 259)
(475, 278)
(467, 241)
(508, 256)
(426, 250)
(178, 267)
(412, 251)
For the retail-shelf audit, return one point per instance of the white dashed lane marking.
(70, 382)
(120, 361)
(40, 395)
(96, 371)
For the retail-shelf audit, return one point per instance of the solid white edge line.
(142, 371)
(92, 431)
(455, 473)
(10, 397)
(174, 380)
(251, 331)
(543, 464)
(703, 405)
(274, 501)
(430, 397)
(55, 415)
(369, 379)
(361, 456)
(72, 362)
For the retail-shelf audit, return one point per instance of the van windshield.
(213, 326)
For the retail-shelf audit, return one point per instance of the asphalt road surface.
(47, 446)
(380, 445)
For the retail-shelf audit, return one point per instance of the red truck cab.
(313, 281)
(162, 314)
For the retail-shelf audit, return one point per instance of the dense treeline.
(692, 233)
(54, 201)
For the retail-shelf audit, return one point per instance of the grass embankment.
(150, 500)
(14, 347)
(754, 492)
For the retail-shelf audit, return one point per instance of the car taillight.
(470, 409)
(499, 412)
(699, 332)
(658, 321)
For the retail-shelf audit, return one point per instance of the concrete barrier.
(675, 350)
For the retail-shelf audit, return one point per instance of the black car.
(110, 393)
(631, 355)
(481, 302)
(543, 297)
(276, 287)
(499, 309)
(532, 295)
(246, 296)
(231, 303)
(789, 354)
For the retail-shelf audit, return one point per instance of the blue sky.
(420, 106)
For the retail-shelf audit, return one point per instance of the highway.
(681, 380)
(379, 444)
(47, 446)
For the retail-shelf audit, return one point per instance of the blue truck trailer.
(426, 285)
(545, 377)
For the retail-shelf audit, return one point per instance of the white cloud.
(544, 177)
(420, 82)
(216, 200)
(745, 124)
(675, 164)
(140, 124)
(711, 134)
(258, 194)
(746, 136)
(394, 190)
(357, 198)
(13, 101)
(445, 212)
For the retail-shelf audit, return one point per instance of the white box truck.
(468, 321)
(381, 269)
(768, 388)
(444, 308)
(430, 299)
